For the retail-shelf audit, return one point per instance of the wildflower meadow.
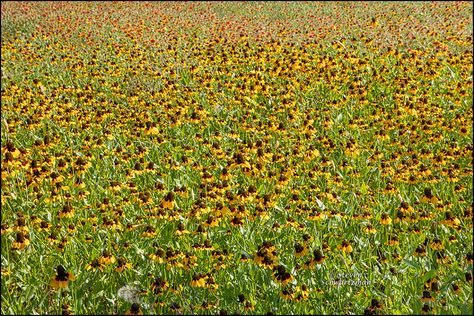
(236, 157)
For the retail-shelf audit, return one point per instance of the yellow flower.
(300, 250)
(427, 297)
(393, 241)
(62, 278)
(436, 244)
(159, 285)
(168, 201)
(95, 265)
(106, 258)
(316, 216)
(134, 310)
(152, 131)
(302, 293)
(21, 225)
(369, 229)
(199, 280)
(158, 256)
(428, 197)
(450, 220)
(281, 275)
(385, 219)
(21, 241)
(287, 293)
(181, 230)
(122, 265)
(66, 212)
(149, 231)
(6, 229)
(345, 247)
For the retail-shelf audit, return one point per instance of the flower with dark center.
(375, 303)
(134, 310)
(282, 275)
(345, 246)
(95, 265)
(122, 264)
(168, 201)
(300, 250)
(62, 278)
(21, 241)
(468, 276)
(427, 297)
(159, 285)
(426, 308)
(318, 256)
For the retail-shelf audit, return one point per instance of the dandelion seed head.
(129, 293)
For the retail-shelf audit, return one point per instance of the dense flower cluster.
(209, 151)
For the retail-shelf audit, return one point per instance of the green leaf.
(412, 263)
(430, 274)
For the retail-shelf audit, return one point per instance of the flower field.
(236, 158)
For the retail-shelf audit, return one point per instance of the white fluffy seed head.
(129, 293)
